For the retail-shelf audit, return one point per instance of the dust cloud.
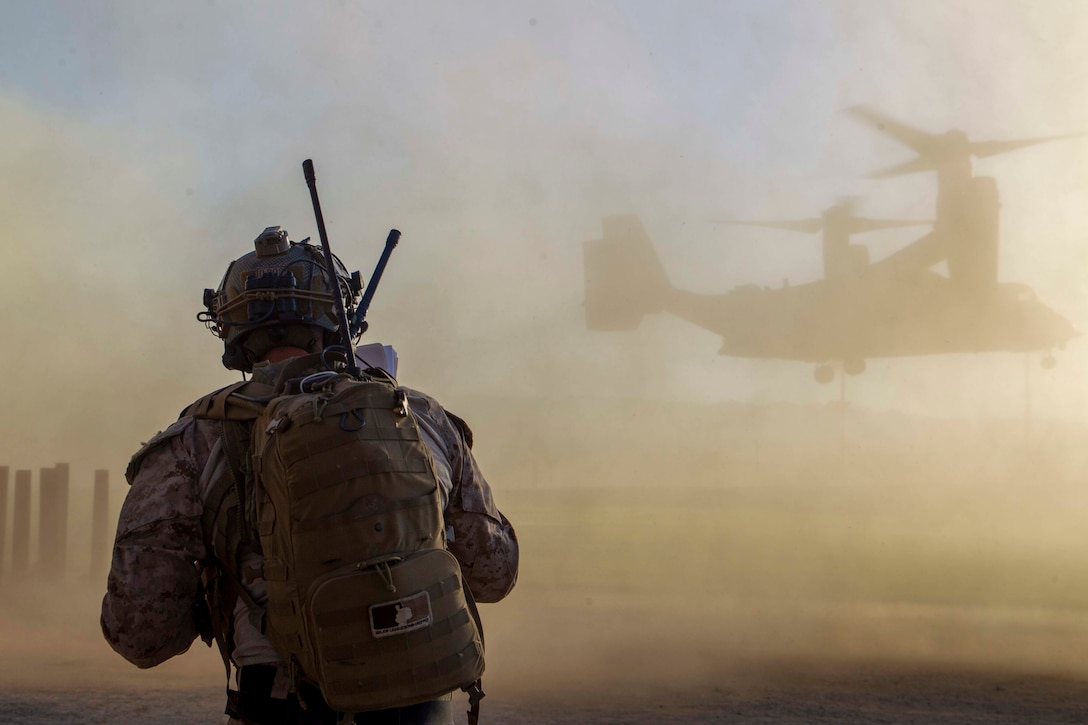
(735, 544)
(688, 521)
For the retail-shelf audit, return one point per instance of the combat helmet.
(278, 294)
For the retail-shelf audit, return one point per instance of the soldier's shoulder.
(421, 402)
(182, 429)
(428, 405)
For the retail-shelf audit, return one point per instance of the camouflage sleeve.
(147, 611)
(482, 538)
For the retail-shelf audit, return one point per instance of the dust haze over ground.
(698, 543)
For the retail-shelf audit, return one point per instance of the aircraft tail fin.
(624, 278)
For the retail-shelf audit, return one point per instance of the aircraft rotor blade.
(982, 149)
(807, 226)
(858, 225)
(918, 140)
(914, 166)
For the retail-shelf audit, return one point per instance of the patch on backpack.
(400, 616)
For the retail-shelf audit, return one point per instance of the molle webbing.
(369, 432)
(309, 485)
(363, 510)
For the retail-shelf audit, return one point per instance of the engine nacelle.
(853, 367)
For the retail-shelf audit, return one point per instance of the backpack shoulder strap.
(221, 501)
(228, 537)
(229, 518)
(243, 400)
(223, 522)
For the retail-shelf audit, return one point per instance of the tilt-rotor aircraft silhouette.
(896, 307)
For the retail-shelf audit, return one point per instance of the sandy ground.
(792, 692)
(856, 601)
(603, 673)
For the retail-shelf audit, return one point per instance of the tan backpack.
(331, 481)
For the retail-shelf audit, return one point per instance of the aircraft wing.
(860, 225)
(801, 225)
(915, 257)
(914, 166)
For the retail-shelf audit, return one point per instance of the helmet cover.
(281, 284)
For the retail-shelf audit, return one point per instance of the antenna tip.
(308, 169)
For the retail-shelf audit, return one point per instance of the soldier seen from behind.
(331, 534)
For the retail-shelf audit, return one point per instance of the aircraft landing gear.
(1049, 362)
(853, 367)
(824, 374)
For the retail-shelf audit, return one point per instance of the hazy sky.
(145, 145)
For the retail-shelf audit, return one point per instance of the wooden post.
(46, 517)
(63, 479)
(1027, 401)
(53, 521)
(20, 527)
(3, 516)
(100, 522)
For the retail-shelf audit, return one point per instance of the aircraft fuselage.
(873, 316)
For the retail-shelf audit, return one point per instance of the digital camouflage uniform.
(154, 580)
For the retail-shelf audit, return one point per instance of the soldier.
(272, 308)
